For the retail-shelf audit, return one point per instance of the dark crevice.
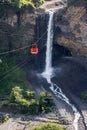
(59, 51)
(18, 13)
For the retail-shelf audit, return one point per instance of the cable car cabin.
(34, 49)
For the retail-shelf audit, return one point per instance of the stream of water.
(48, 73)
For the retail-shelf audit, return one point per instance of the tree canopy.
(20, 3)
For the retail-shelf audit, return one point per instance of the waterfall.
(48, 68)
(49, 72)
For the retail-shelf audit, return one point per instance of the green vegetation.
(37, 3)
(14, 89)
(28, 102)
(49, 126)
(84, 95)
(21, 99)
(11, 75)
(4, 118)
(21, 3)
(16, 94)
(29, 95)
(46, 102)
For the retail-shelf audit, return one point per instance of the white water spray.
(48, 68)
(48, 72)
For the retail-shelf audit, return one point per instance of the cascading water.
(49, 72)
(48, 68)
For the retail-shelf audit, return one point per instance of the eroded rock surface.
(72, 26)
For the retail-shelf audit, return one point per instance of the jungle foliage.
(21, 3)
(11, 74)
(28, 102)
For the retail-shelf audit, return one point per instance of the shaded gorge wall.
(41, 37)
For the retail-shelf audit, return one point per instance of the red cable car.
(34, 49)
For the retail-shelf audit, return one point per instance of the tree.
(16, 94)
(45, 102)
(20, 3)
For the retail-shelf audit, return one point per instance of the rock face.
(16, 27)
(71, 28)
(41, 28)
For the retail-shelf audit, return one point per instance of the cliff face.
(71, 28)
(16, 28)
